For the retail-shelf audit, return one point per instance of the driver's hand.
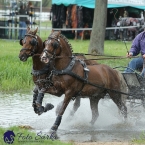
(143, 56)
(130, 54)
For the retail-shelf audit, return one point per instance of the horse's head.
(29, 44)
(52, 47)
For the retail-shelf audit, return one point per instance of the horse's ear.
(52, 31)
(36, 31)
(28, 29)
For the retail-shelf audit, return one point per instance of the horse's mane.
(66, 40)
(55, 34)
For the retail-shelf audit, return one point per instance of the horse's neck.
(39, 45)
(64, 60)
(37, 64)
(62, 63)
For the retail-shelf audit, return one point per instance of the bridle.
(56, 44)
(33, 43)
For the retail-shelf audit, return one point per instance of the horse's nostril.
(43, 57)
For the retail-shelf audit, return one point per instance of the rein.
(103, 58)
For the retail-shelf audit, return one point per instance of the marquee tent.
(140, 4)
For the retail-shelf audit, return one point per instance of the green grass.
(29, 137)
(140, 140)
(16, 75)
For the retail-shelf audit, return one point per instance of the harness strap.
(68, 71)
(34, 36)
(44, 70)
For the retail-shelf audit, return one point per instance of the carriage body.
(136, 88)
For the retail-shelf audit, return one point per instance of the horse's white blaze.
(44, 58)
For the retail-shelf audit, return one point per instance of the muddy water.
(16, 109)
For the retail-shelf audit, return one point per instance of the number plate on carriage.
(131, 79)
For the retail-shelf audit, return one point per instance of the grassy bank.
(16, 75)
(140, 140)
(27, 137)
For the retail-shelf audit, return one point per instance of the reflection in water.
(17, 109)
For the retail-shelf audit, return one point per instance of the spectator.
(138, 46)
(22, 21)
(30, 8)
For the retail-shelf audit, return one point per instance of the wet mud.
(17, 109)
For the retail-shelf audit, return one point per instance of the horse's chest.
(41, 81)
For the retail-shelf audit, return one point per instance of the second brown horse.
(72, 77)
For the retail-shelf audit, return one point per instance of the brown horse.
(33, 47)
(72, 77)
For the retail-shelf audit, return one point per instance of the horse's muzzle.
(44, 59)
(23, 57)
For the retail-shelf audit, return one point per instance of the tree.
(98, 30)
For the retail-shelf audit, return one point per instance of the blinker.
(33, 42)
(21, 42)
(55, 45)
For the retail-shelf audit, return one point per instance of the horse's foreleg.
(59, 117)
(35, 94)
(94, 107)
(39, 99)
(76, 105)
(37, 103)
(58, 108)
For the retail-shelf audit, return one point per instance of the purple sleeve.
(135, 48)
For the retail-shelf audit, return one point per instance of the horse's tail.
(123, 87)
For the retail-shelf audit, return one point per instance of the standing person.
(22, 21)
(30, 11)
(29, 8)
(138, 46)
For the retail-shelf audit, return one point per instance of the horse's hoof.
(125, 119)
(92, 122)
(48, 107)
(40, 110)
(53, 135)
